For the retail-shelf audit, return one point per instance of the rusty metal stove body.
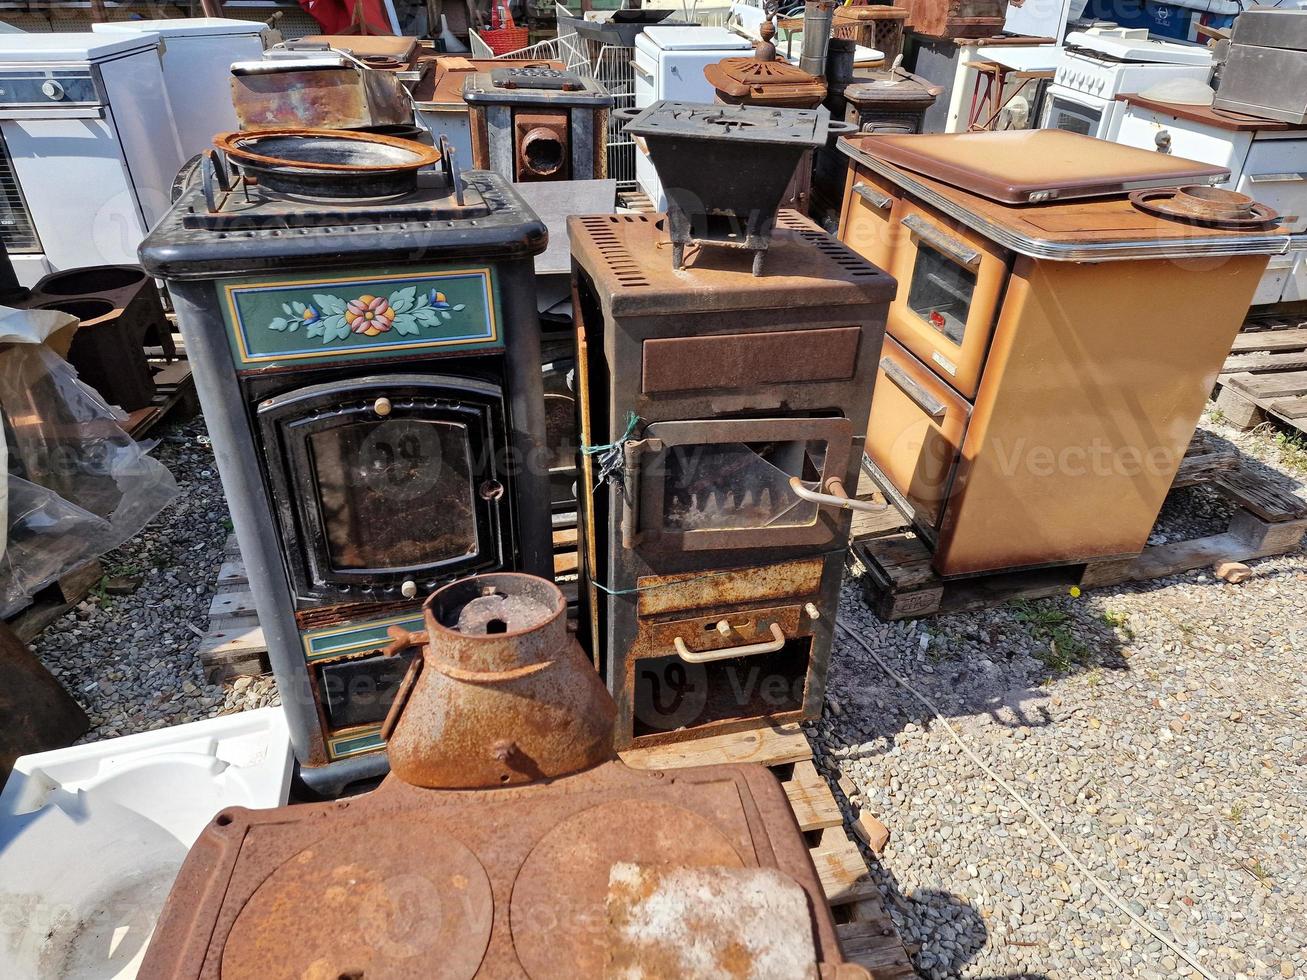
(533, 123)
(369, 370)
(506, 842)
(713, 533)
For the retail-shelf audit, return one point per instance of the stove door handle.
(877, 199)
(835, 497)
(922, 398)
(728, 653)
(956, 249)
(401, 639)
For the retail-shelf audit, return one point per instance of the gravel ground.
(1161, 730)
(131, 659)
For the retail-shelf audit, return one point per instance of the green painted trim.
(359, 314)
(341, 641)
(367, 741)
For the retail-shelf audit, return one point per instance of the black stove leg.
(758, 259)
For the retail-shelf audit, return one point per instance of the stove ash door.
(704, 485)
(386, 487)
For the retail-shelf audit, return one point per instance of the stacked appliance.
(198, 53)
(1265, 71)
(669, 64)
(366, 349)
(88, 149)
(1103, 62)
(1266, 159)
(729, 411)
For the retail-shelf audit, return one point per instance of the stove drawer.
(868, 224)
(915, 432)
(951, 282)
(688, 677)
(730, 484)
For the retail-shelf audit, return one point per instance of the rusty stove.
(725, 168)
(534, 123)
(365, 342)
(726, 414)
(506, 842)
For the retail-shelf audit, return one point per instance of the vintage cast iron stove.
(506, 842)
(714, 530)
(725, 168)
(538, 123)
(370, 371)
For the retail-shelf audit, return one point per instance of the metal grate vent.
(601, 229)
(847, 259)
(17, 230)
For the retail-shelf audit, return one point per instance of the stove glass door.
(1072, 116)
(727, 484)
(384, 480)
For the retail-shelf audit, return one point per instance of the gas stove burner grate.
(537, 78)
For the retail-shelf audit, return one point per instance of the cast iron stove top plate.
(543, 78)
(736, 123)
(250, 207)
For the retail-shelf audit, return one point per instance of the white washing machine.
(669, 64)
(197, 57)
(88, 149)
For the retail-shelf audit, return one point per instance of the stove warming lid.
(733, 123)
(1030, 166)
(759, 82)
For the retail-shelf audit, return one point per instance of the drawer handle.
(1285, 178)
(877, 199)
(923, 399)
(835, 497)
(747, 650)
(956, 249)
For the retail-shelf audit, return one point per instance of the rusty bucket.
(499, 694)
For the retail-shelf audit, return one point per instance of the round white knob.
(52, 89)
(381, 406)
(408, 589)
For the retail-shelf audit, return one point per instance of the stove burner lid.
(1198, 204)
(536, 77)
(400, 898)
(799, 128)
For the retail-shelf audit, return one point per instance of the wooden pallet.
(54, 600)
(174, 397)
(234, 643)
(901, 584)
(865, 930)
(1265, 376)
(635, 200)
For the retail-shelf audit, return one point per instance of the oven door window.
(727, 484)
(941, 292)
(367, 500)
(1073, 117)
(395, 492)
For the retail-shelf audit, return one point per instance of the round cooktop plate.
(400, 900)
(558, 911)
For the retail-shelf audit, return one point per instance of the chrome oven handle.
(956, 249)
(836, 497)
(877, 199)
(920, 397)
(747, 650)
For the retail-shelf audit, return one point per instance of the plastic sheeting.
(77, 485)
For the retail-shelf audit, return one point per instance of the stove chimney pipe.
(818, 18)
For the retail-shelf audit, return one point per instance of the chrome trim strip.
(1072, 251)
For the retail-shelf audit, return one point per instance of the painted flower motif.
(436, 300)
(309, 314)
(369, 315)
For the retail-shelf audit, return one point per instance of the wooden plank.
(1258, 363)
(1290, 409)
(811, 798)
(1262, 386)
(1239, 410)
(565, 563)
(875, 946)
(225, 604)
(1270, 340)
(865, 525)
(232, 573)
(767, 745)
(900, 556)
(843, 872)
(1259, 495)
(237, 648)
(565, 539)
(1202, 466)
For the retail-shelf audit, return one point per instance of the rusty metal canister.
(500, 693)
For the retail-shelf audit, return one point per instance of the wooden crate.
(876, 27)
(1265, 376)
(900, 583)
(866, 932)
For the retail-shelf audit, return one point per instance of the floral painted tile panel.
(274, 321)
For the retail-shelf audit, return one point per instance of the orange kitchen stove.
(1064, 306)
